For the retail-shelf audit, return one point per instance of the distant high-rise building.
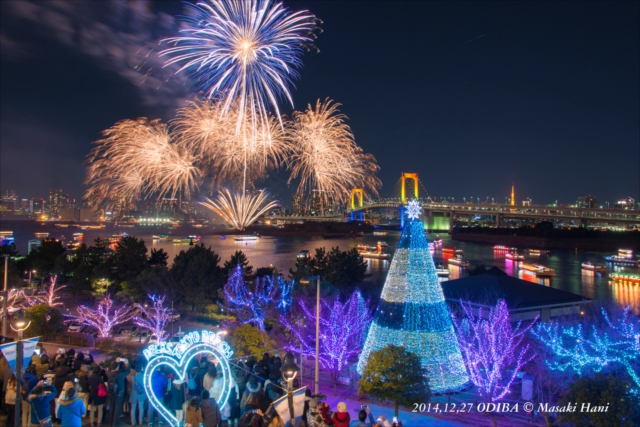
(298, 206)
(322, 203)
(513, 194)
(55, 200)
(627, 203)
(68, 214)
(85, 214)
(588, 202)
(25, 206)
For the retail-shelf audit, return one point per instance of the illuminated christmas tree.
(412, 312)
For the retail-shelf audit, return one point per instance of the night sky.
(470, 95)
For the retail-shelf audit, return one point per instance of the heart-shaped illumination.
(178, 357)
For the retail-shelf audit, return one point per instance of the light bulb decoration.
(492, 348)
(178, 357)
(585, 350)
(414, 209)
(51, 298)
(155, 318)
(342, 331)
(412, 313)
(104, 316)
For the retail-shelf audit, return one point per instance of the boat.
(501, 248)
(538, 270)
(246, 238)
(383, 244)
(73, 245)
(441, 271)
(626, 278)
(514, 256)
(627, 253)
(621, 260)
(379, 233)
(593, 267)
(537, 252)
(160, 237)
(184, 241)
(304, 255)
(6, 240)
(447, 250)
(459, 251)
(78, 236)
(375, 255)
(62, 225)
(459, 261)
(115, 238)
(198, 225)
(364, 248)
(41, 235)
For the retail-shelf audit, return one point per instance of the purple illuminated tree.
(343, 327)
(103, 316)
(154, 318)
(490, 347)
(592, 349)
(250, 306)
(51, 298)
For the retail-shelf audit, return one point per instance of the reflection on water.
(282, 251)
(530, 276)
(627, 294)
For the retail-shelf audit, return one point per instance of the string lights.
(51, 298)
(595, 349)
(413, 313)
(489, 348)
(155, 318)
(104, 316)
(342, 330)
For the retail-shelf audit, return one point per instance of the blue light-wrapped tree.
(412, 311)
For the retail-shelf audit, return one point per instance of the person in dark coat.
(95, 401)
(211, 416)
(61, 375)
(41, 402)
(121, 372)
(78, 361)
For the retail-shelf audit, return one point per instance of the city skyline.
(508, 98)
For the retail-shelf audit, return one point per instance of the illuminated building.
(299, 204)
(55, 200)
(513, 194)
(322, 203)
(627, 203)
(588, 202)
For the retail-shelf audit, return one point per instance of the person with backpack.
(40, 403)
(71, 409)
(137, 396)
(341, 417)
(97, 394)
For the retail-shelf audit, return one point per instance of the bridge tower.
(414, 177)
(360, 192)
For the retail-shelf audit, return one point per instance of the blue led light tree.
(412, 311)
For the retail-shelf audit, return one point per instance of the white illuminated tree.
(104, 315)
(51, 298)
(154, 318)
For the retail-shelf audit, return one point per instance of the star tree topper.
(414, 209)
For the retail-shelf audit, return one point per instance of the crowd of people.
(66, 387)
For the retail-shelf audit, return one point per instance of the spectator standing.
(137, 397)
(365, 419)
(10, 397)
(41, 403)
(71, 409)
(97, 394)
(211, 416)
(341, 418)
(158, 386)
(194, 412)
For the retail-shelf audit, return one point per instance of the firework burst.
(325, 155)
(240, 210)
(138, 158)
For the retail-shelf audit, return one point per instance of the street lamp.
(317, 366)
(19, 324)
(289, 372)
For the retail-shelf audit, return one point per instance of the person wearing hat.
(341, 417)
(314, 417)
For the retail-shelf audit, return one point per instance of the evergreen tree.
(130, 258)
(238, 258)
(197, 274)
